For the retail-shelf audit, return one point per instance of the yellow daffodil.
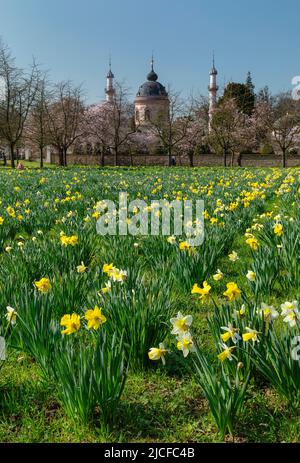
(232, 292)
(253, 243)
(64, 240)
(226, 354)
(185, 246)
(43, 285)
(108, 268)
(158, 353)
(11, 212)
(241, 313)
(95, 318)
(81, 268)
(71, 322)
(73, 240)
(68, 240)
(204, 291)
(250, 335)
(278, 229)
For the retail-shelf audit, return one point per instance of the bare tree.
(173, 129)
(120, 120)
(196, 130)
(16, 99)
(65, 115)
(36, 132)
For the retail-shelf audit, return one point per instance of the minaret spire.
(213, 90)
(110, 84)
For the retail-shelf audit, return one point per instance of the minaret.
(213, 90)
(110, 91)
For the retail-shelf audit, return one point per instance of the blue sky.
(73, 39)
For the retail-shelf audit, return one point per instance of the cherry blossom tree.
(278, 121)
(197, 130)
(96, 129)
(228, 129)
(285, 125)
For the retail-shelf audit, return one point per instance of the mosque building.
(152, 100)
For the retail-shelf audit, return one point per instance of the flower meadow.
(145, 338)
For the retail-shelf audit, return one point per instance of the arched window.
(137, 115)
(147, 115)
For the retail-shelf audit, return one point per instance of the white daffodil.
(218, 275)
(185, 344)
(268, 312)
(251, 275)
(233, 257)
(290, 312)
(230, 333)
(11, 315)
(181, 323)
(171, 240)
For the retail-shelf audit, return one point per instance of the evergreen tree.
(249, 83)
(242, 94)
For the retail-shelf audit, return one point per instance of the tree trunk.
(170, 156)
(116, 157)
(232, 159)
(65, 157)
(102, 157)
(191, 158)
(12, 156)
(225, 158)
(60, 157)
(41, 158)
(284, 158)
(239, 160)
